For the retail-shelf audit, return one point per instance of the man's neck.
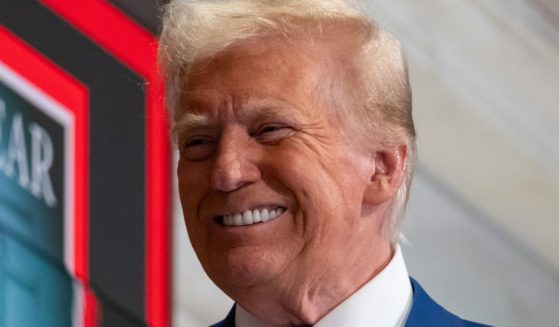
(300, 305)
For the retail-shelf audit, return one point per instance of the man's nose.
(234, 165)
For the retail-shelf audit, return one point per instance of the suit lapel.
(426, 312)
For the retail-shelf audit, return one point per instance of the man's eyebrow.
(189, 121)
(266, 107)
(252, 108)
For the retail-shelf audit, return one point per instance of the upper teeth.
(249, 217)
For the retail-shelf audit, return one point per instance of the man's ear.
(389, 170)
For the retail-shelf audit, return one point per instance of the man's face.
(257, 136)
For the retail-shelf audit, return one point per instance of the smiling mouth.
(251, 217)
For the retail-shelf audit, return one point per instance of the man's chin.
(239, 270)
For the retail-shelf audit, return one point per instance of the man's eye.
(196, 142)
(198, 148)
(270, 129)
(272, 133)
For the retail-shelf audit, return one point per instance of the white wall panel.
(471, 265)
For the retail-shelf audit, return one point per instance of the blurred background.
(483, 217)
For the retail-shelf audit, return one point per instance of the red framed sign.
(94, 70)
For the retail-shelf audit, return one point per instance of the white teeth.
(249, 217)
(256, 216)
(237, 219)
(265, 215)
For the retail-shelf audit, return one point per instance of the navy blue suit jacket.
(424, 312)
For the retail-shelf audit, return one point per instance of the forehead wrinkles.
(294, 73)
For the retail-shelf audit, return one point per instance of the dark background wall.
(145, 12)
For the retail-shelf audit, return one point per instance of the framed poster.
(84, 166)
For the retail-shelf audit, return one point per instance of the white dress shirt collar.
(383, 301)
